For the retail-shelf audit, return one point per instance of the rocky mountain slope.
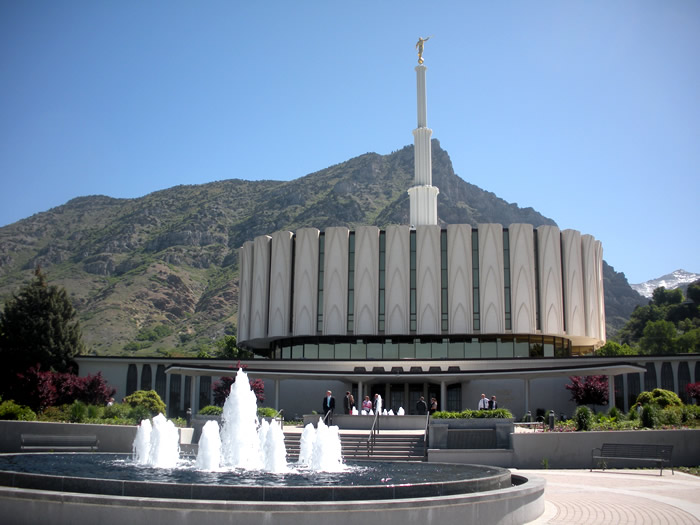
(158, 274)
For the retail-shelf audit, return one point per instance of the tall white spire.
(423, 195)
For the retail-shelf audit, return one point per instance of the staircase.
(389, 446)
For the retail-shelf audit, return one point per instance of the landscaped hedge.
(499, 413)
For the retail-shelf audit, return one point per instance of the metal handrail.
(279, 417)
(371, 440)
(426, 435)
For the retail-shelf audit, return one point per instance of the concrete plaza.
(624, 496)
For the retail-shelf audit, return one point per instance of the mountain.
(158, 274)
(678, 279)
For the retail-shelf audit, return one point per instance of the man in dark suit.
(346, 403)
(328, 407)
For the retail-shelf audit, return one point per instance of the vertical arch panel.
(667, 376)
(573, 283)
(397, 279)
(245, 288)
(146, 377)
(549, 258)
(428, 279)
(522, 279)
(590, 285)
(305, 281)
(280, 283)
(459, 278)
(683, 380)
(366, 280)
(335, 281)
(491, 288)
(260, 294)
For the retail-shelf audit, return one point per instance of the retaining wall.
(569, 450)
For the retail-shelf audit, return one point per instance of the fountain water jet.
(157, 444)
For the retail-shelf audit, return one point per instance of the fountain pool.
(243, 477)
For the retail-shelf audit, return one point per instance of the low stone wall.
(112, 438)
(569, 450)
(481, 433)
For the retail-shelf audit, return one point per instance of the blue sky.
(588, 112)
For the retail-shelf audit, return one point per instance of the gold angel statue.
(419, 47)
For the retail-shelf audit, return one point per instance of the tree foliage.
(38, 326)
(669, 324)
(41, 389)
(589, 390)
(693, 391)
(222, 388)
(612, 348)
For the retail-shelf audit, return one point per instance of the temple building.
(416, 310)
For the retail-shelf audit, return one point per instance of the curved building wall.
(486, 281)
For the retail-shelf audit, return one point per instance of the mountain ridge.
(170, 257)
(677, 279)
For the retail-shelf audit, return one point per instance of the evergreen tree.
(38, 326)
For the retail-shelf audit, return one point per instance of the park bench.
(658, 454)
(52, 443)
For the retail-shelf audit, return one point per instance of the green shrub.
(660, 398)
(614, 413)
(57, 414)
(691, 414)
(139, 413)
(266, 412)
(672, 416)
(94, 412)
(117, 411)
(179, 422)
(12, 411)
(78, 411)
(499, 413)
(211, 410)
(583, 418)
(149, 399)
(650, 416)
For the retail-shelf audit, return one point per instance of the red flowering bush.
(693, 391)
(42, 389)
(589, 390)
(222, 388)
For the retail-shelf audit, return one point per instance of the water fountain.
(241, 471)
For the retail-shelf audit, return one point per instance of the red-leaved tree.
(222, 388)
(693, 391)
(589, 390)
(41, 389)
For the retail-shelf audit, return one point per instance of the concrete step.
(388, 446)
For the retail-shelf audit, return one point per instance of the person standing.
(328, 407)
(351, 404)
(433, 405)
(367, 404)
(346, 403)
(421, 407)
(492, 403)
(377, 404)
(483, 403)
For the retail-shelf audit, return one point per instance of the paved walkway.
(619, 497)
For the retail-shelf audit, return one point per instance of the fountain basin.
(29, 496)
(117, 475)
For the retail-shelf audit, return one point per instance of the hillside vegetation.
(157, 275)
